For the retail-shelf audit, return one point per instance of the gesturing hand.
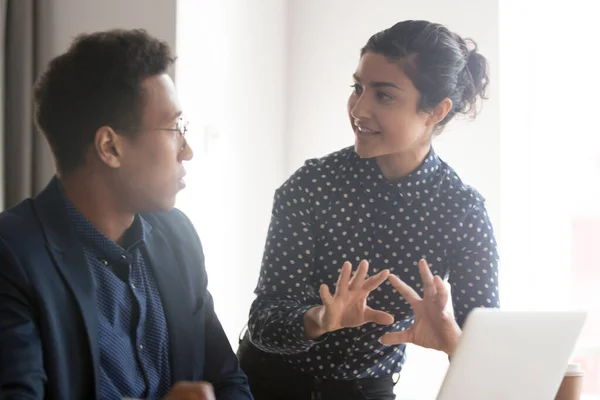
(347, 307)
(434, 327)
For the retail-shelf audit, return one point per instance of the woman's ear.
(439, 112)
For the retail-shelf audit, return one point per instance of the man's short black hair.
(97, 82)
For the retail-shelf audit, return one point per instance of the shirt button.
(132, 286)
(141, 347)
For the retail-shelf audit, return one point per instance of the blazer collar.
(166, 263)
(70, 261)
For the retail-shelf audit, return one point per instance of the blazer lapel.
(175, 302)
(70, 261)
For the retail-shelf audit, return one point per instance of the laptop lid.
(506, 355)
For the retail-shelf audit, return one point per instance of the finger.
(344, 278)
(429, 289)
(379, 317)
(408, 293)
(359, 276)
(396, 337)
(376, 280)
(442, 292)
(326, 296)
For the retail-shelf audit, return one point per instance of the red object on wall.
(585, 270)
(585, 245)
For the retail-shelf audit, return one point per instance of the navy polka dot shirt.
(133, 336)
(341, 208)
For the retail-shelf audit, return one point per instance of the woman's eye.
(383, 96)
(357, 88)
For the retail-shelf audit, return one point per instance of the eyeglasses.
(181, 127)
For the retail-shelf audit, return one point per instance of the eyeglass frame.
(182, 129)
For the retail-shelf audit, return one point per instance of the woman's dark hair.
(96, 82)
(440, 64)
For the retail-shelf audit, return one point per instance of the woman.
(390, 205)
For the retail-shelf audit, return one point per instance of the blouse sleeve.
(285, 290)
(474, 265)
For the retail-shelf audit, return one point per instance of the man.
(103, 290)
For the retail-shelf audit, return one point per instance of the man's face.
(151, 166)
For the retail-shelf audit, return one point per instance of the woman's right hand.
(347, 307)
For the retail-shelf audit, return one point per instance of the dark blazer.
(48, 317)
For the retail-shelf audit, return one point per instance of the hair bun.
(475, 82)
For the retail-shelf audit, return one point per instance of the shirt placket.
(136, 286)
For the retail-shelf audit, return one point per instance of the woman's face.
(383, 110)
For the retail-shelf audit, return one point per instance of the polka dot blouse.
(340, 208)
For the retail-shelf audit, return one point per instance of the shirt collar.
(135, 236)
(411, 187)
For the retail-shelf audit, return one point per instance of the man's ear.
(439, 112)
(109, 146)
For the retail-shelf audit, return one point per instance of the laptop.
(511, 355)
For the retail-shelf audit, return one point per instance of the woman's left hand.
(434, 327)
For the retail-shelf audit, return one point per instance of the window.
(551, 165)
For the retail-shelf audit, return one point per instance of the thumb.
(379, 317)
(396, 337)
(325, 294)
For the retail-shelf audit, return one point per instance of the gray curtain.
(26, 164)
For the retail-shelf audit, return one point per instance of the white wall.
(231, 80)
(551, 163)
(64, 19)
(550, 144)
(323, 50)
(550, 148)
